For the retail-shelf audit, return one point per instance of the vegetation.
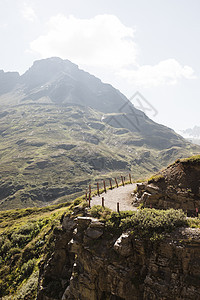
(26, 236)
(144, 223)
(49, 154)
(192, 159)
(156, 178)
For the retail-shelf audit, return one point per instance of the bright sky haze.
(136, 45)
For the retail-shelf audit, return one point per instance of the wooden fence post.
(118, 207)
(97, 188)
(104, 185)
(122, 180)
(197, 212)
(89, 204)
(130, 177)
(116, 182)
(86, 195)
(111, 184)
(89, 188)
(103, 201)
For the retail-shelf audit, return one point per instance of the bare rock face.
(178, 187)
(92, 263)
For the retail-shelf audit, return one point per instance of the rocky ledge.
(92, 263)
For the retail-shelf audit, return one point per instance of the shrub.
(14, 251)
(148, 222)
(29, 290)
(20, 239)
(6, 246)
(193, 222)
(27, 268)
(100, 212)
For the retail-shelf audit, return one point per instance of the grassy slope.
(51, 153)
(26, 236)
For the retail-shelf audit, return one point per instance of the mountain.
(62, 128)
(192, 134)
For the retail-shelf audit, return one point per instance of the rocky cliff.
(177, 186)
(91, 262)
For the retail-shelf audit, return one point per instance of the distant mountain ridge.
(61, 128)
(192, 134)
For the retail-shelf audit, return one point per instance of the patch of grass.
(156, 178)
(192, 159)
(27, 236)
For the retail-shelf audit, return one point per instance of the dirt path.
(121, 194)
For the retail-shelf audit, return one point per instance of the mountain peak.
(45, 70)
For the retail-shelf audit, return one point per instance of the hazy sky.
(150, 46)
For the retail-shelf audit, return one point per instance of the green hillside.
(62, 128)
(51, 153)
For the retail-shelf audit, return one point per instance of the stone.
(93, 233)
(152, 189)
(83, 222)
(123, 245)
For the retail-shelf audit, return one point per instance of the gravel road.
(121, 194)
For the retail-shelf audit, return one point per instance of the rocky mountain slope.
(177, 186)
(62, 128)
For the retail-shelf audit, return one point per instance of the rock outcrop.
(92, 263)
(178, 187)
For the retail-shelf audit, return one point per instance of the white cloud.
(99, 41)
(104, 43)
(28, 13)
(166, 72)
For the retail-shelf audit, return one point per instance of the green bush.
(20, 239)
(100, 212)
(14, 251)
(149, 222)
(6, 246)
(193, 222)
(27, 268)
(145, 223)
